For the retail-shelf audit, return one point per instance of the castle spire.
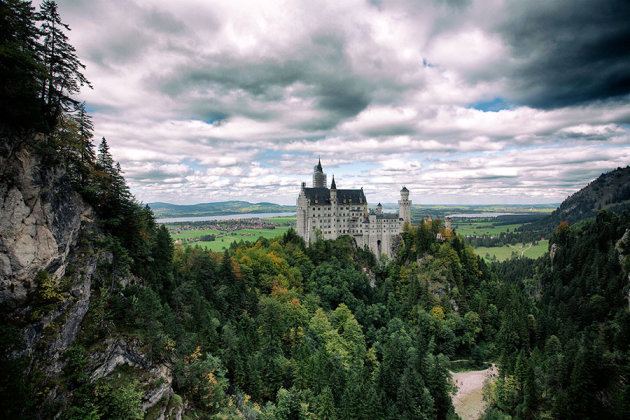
(333, 186)
(319, 177)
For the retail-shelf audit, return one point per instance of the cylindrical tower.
(404, 206)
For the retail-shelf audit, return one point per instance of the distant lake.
(481, 214)
(224, 217)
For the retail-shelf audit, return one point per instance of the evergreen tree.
(63, 76)
(325, 408)
(85, 128)
(21, 72)
(105, 161)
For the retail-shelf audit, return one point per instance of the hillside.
(609, 191)
(165, 210)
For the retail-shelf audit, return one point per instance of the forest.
(279, 330)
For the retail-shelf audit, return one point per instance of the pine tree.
(407, 398)
(120, 190)
(20, 71)
(325, 409)
(162, 268)
(63, 76)
(85, 128)
(104, 174)
(105, 161)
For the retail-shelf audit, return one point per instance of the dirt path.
(523, 253)
(468, 400)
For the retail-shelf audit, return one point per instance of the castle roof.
(333, 186)
(319, 166)
(322, 196)
(404, 189)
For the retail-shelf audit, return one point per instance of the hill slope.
(610, 191)
(215, 209)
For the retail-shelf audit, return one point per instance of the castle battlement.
(332, 212)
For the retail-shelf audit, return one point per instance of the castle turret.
(319, 177)
(404, 206)
(333, 208)
(379, 209)
(301, 225)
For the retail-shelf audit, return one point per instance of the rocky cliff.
(50, 261)
(40, 221)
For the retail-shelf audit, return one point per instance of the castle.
(333, 213)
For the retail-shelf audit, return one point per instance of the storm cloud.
(568, 52)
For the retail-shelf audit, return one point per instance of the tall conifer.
(63, 76)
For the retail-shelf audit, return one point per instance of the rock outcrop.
(40, 221)
(160, 377)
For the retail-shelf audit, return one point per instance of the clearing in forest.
(468, 400)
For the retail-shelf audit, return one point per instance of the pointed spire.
(333, 186)
(319, 164)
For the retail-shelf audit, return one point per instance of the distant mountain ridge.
(162, 210)
(611, 191)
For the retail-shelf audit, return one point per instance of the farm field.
(506, 252)
(468, 228)
(223, 238)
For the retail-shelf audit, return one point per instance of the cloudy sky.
(462, 101)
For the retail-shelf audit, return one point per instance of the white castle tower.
(404, 206)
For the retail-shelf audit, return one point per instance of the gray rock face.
(120, 352)
(40, 219)
(552, 251)
(74, 310)
(81, 291)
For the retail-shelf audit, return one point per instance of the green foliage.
(564, 348)
(40, 69)
(203, 380)
(107, 399)
(48, 290)
(62, 77)
(21, 72)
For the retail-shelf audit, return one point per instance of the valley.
(328, 310)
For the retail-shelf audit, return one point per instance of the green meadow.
(467, 228)
(224, 239)
(506, 252)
